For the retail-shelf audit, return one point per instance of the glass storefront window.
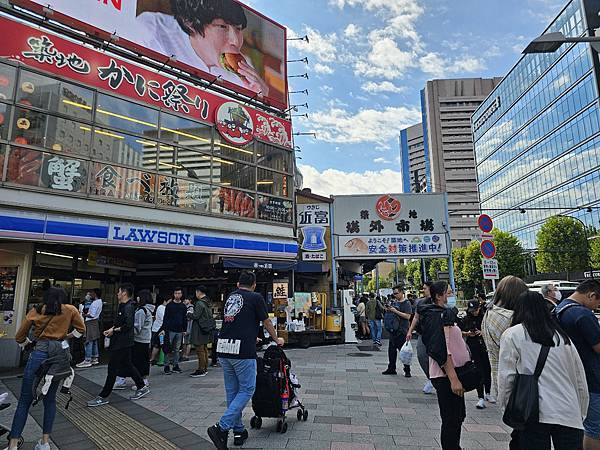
(273, 157)
(273, 183)
(56, 172)
(184, 163)
(51, 132)
(226, 150)
(183, 194)
(4, 120)
(231, 202)
(2, 160)
(116, 182)
(187, 133)
(8, 75)
(54, 95)
(275, 209)
(127, 116)
(234, 174)
(124, 149)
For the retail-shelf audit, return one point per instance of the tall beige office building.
(446, 151)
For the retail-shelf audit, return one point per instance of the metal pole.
(396, 270)
(377, 278)
(449, 241)
(333, 262)
(493, 285)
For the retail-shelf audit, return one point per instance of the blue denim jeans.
(175, 341)
(376, 330)
(35, 360)
(91, 350)
(240, 383)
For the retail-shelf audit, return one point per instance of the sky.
(368, 61)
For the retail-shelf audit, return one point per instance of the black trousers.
(213, 350)
(538, 436)
(120, 363)
(395, 344)
(452, 413)
(482, 361)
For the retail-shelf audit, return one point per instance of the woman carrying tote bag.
(562, 395)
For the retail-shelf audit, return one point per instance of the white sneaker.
(40, 446)
(120, 384)
(480, 404)
(490, 398)
(146, 383)
(428, 388)
(84, 364)
(95, 361)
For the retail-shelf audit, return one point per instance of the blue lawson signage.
(49, 227)
(151, 236)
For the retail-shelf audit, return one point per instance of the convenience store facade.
(113, 172)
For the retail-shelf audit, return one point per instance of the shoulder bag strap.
(44, 328)
(541, 361)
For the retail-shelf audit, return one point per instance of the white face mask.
(451, 302)
(557, 295)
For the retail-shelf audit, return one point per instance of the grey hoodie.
(142, 324)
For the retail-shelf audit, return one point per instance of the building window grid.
(563, 111)
(525, 73)
(585, 125)
(574, 66)
(10, 101)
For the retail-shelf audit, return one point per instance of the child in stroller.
(276, 390)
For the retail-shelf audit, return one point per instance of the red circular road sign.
(488, 249)
(485, 222)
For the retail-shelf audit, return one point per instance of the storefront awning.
(246, 263)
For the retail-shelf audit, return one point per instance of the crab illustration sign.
(390, 225)
(235, 123)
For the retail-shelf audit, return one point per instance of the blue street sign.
(488, 249)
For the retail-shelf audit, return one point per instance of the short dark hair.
(247, 278)
(194, 15)
(201, 288)
(145, 298)
(54, 298)
(178, 288)
(437, 288)
(399, 287)
(127, 287)
(588, 286)
(427, 283)
(98, 292)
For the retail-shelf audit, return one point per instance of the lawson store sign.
(55, 228)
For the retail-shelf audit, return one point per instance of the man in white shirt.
(91, 309)
(198, 33)
(157, 329)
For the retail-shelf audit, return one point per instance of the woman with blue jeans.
(51, 321)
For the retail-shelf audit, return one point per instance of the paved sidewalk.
(351, 405)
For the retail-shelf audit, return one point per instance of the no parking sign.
(488, 249)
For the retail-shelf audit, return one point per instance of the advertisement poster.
(71, 61)
(275, 209)
(8, 284)
(212, 38)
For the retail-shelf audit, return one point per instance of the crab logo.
(233, 306)
(235, 123)
(388, 207)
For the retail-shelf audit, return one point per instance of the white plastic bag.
(106, 342)
(406, 353)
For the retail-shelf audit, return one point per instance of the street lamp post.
(551, 42)
(587, 241)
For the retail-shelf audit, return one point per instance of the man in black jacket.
(175, 326)
(121, 335)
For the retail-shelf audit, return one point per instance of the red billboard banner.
(221, 40)
(51, 53)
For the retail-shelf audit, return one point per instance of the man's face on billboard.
(223, 37)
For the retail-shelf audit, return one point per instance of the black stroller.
(5, 430)
(275, 390)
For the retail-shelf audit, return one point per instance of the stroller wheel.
(305, 415)
(279, 426)
(299, 414)
(284, 428)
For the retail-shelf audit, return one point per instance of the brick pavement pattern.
(351, 406)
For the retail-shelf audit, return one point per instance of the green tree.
(509, 253)
(471, 270)
(413, 273)
(561, 246)
(458, 258)
(437, 265)
(595, 252)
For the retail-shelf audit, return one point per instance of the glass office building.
(537, 136)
